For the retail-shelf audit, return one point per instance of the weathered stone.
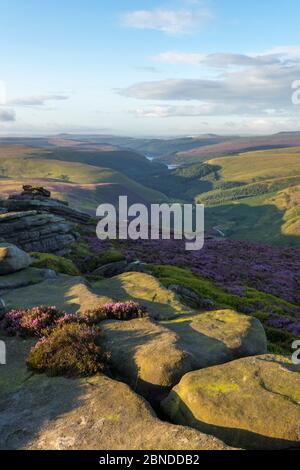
(55, 413)
(153, 357)
(145, 354)
(161, 303)
(191, 298)
(220, 335)
(26, 277)
(111, 269)
(252, 403)
(12, 259)
(70, 294)
(34, 231)
(28, 201)
(35, 191)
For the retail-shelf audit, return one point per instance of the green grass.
(86, 262)
(261, 165)
(83, 185)
(256, 196)
(57, 263)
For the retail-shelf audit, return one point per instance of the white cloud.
(39, 100)
(168, 21)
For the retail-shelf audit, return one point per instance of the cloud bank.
(258, 84)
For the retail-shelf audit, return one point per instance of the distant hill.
(187, 150)
(251, 195)
(82, 184)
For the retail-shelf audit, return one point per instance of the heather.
(252, 278)
(232, 265)
(36, 322)
(31, 322)
(116, 311)
(67, 343)
(69, 350)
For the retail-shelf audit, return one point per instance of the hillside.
(251, 196)
(83, 185)
(256, 196)
(186, 150)
(233, 146)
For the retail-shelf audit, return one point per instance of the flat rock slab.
(253, 403)
(145, 289)
(73, 294)
(24, 278)
(39, 412)
(219, 336)
(67, 293)
(154, 356)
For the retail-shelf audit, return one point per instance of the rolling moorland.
(248, 196)
(166, 349)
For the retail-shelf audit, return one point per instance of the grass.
(256, 196)
(261, 165)
(57, 263)
(82, 184)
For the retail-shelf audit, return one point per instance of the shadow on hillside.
(254, 223)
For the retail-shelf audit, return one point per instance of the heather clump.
(70, 350)
(115, 311)
(67, 343)
(31, 322)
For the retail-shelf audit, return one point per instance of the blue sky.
(149, 68)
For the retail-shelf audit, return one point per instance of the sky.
(149, 68)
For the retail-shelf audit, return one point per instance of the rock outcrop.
(39, 412)
(37, 231)
(253, 403)
(153, 357)
(39, 199)
(12, 259)
(35, 222)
